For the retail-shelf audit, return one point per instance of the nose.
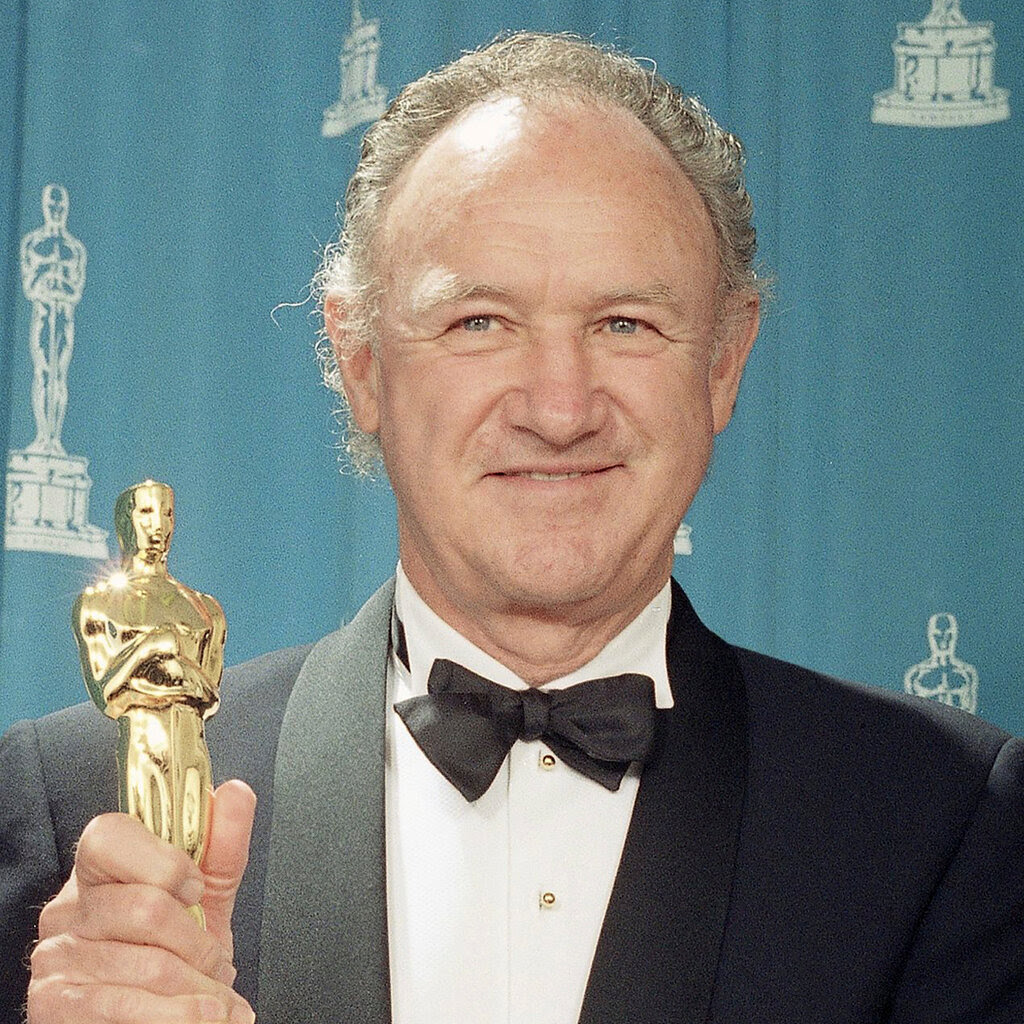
(559, 398)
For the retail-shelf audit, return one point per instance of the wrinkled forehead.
(481, 139)
(501, 149)
(468, 150)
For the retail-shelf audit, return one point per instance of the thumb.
(227, 853)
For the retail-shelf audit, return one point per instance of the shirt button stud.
(547, 761)
(547, 900)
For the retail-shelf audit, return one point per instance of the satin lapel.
(324, 941)
(659, 947)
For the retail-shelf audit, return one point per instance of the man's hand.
(117, 944)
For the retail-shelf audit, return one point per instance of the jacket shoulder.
(786, 697)
(879, 831)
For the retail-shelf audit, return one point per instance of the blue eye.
(477, 323)
(623, 325)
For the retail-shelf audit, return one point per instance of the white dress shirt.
(495, 907)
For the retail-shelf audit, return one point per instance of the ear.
(358, 368)
(737, 329)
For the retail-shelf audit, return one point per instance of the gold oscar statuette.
(152, 651)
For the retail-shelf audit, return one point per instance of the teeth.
(552, 476)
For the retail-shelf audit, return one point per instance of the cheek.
(437, 404)
(419, 425)
(670, 402)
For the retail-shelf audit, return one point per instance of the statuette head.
(942, 633)
(55, 205)
(144, 520)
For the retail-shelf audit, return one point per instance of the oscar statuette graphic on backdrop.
(47, 506)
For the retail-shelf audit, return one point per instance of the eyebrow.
(658, 294)
(450, 288)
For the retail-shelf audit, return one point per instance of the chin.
(556, 584)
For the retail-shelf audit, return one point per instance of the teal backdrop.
(871, 479)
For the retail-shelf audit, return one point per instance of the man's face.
(543, 386)
(153, 522)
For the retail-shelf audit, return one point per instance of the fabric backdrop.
(870, 481)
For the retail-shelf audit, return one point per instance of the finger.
(56, 1002)
(146, 916)
(130, 912)
(81, 961)
(119, 848)
(57, 915)
(227, 853)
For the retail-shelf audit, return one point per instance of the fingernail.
(213, 1009)
(191, 891)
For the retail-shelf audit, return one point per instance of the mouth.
(553, 475)
(534, 475)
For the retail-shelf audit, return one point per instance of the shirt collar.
(640, 647)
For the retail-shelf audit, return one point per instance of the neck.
(537, 644)
(141, 566)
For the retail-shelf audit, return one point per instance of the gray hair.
(533, 67)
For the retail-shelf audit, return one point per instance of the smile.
(553, 476)
(550, 476)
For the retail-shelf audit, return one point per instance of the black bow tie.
(466, 724)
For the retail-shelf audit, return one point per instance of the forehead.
(147, 497)
(506, 151)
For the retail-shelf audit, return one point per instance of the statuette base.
(47, 505)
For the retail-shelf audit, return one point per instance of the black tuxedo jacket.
(802, 851)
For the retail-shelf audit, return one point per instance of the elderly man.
(526, 784)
